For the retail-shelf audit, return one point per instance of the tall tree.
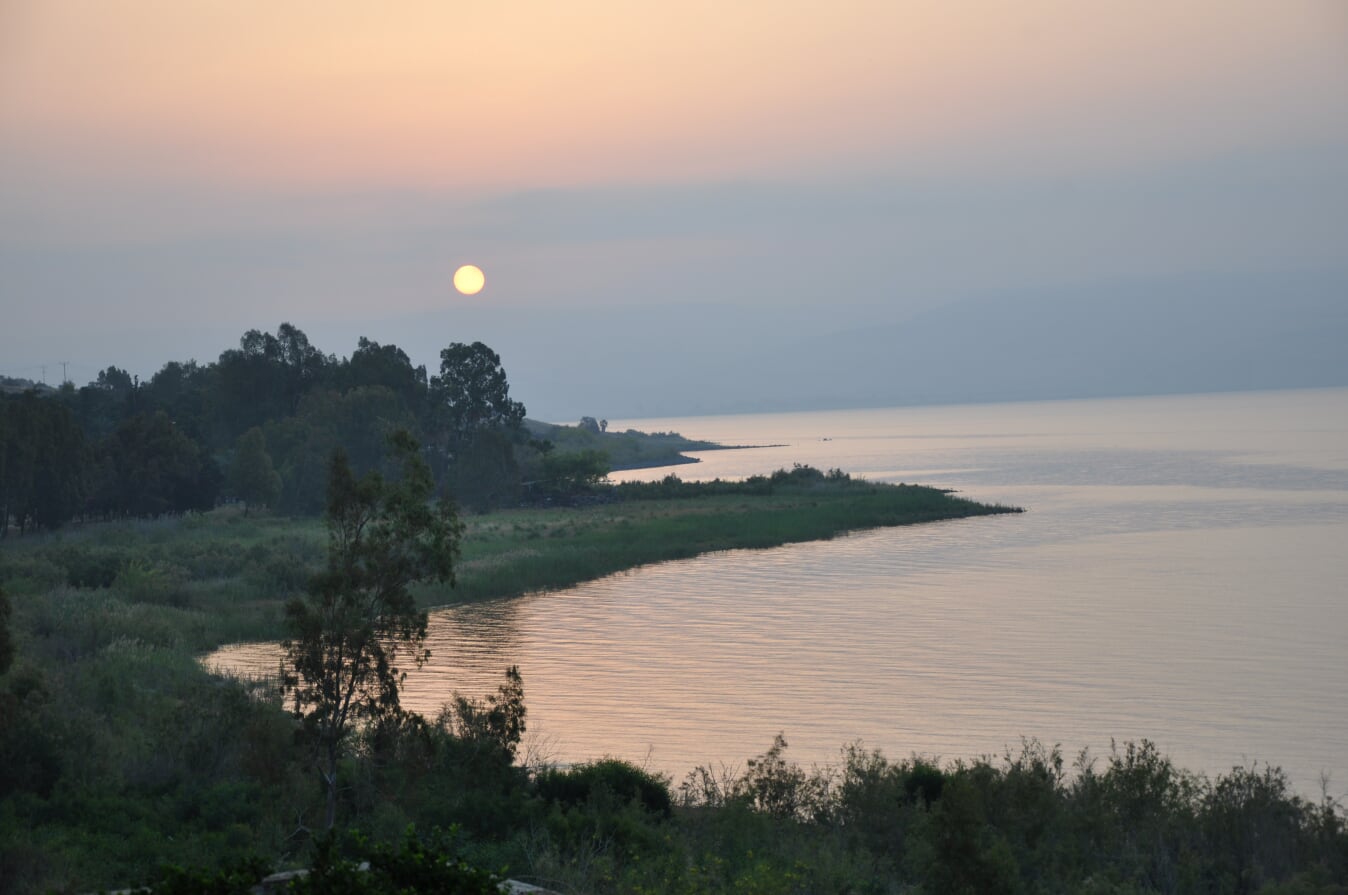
(359, 621)
(372, 364)
(184, 391)
(471, 393)
(266, 376)
(43, 463)
(148, 468)
(252, 477)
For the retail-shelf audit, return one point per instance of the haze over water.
(1179, 576)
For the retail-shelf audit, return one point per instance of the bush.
(415, 866)
(626, 781)
(141, 581)
(90, 568)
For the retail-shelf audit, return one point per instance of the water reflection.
(1179, 577)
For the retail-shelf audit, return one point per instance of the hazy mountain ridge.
(1143, 337)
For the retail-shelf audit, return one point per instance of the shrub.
(90, 568)
(415, 866)
(578, 785)
(141, 581)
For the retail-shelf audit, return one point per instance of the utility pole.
(64, 377)
(44, 373)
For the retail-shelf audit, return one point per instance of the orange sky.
(484, 94)
(173, 172)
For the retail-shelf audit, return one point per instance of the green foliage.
(359, 617)
(354, 866)
(387, 367)
(44, 464)
(471, 392)
(118, 753)
(252, 477)
(150, 582)
(775, 786)
(237, 878)
(266, 377)
(148, 467)
(90, 567)
(358, 421)
(371, 868)
(119, 448)
(616, 778)
(1252, 827)
(485, 473)
(566, 474)
(496, 723)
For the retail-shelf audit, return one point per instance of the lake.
(1180, 575)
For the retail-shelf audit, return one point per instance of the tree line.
(258, 426)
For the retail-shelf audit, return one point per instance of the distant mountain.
(1169, 335)
(1146, 337)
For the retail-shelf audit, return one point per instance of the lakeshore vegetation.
(120, 757)
(144, 525)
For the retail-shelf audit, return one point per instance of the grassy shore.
(514, 552)
(224, 577)
(119, 753)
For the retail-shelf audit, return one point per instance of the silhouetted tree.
(358, 422)
(149, 468)
(359, 619)
(185, 392)
(388, 366)
(104, 403)
(569, 473)
(471, 393)
(252, 477)
(43, 463)
(485, 473)
(266, 376)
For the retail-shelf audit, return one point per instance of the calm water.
(1180, 576)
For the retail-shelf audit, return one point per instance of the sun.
(469, 279)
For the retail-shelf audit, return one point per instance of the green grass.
(509, 553)
(223, 577)
(119, 752)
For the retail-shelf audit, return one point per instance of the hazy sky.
(650, 188)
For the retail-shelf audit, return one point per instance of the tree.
(485, 473)
(358, 421)
(496, 724)
(266, 376)
(6, 645)
(574, 472)
(184, 392)
(471, 393)
(43, 463)
(359, 620)
(252, 477)
(147, 467)
(372, 364)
